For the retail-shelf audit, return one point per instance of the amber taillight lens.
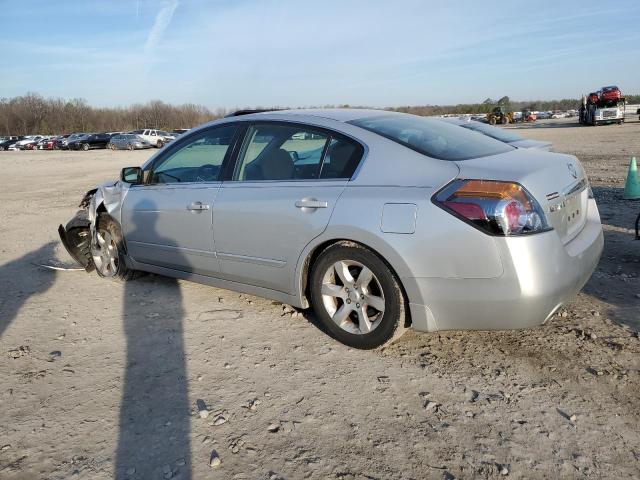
(496, 207)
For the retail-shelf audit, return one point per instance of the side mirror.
(132, 175)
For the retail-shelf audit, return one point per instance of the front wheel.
(130, 147)
(357, 297)
(85, 146)
(107, 250)
(159, 144)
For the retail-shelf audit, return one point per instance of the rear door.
(285, 184)
(168, 221)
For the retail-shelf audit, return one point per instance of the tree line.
(35, 114)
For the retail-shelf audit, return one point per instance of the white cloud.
(162, 21)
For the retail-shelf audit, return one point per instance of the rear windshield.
(434, 138)
(493, 132)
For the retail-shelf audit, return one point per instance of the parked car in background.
(9, 142)
(91, 141)
(49, 144)
(32, 144)
(157, 138)
(506, 136)
(128, 141)
(73, 143)
(70, 138)
(40, 145)
(378, 220)
(20, 145)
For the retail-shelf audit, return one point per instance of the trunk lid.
(557, 181)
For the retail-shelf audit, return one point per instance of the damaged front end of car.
(77, 235)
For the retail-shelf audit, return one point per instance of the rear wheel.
(357, 297)
(111, 146)
(129, 146)
(107, 250)
(85, 146)
(492, 120)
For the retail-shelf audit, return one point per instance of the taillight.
(496, 207)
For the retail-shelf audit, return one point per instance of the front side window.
(432, 138)
(199, 159)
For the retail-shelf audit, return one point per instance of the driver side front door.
(168, 221)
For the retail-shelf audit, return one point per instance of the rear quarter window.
(433, 138)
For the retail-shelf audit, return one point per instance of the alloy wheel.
(104, 252)
(353, 297)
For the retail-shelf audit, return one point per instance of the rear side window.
(295, 152)
(281, 152)
(342, 158)
(432, 138)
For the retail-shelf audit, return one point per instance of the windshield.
(493, 132)
(433, 138)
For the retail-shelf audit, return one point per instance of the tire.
(159, 144)
(383, 288)
(1, 149)
(504, 120)
(492, 120)
(85, 146)
(111, 146)
(108, 252)
(130, 147)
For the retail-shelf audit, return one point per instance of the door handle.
(311, 203)
(197, 206)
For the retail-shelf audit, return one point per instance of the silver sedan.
(379, 221)
(127, 141)
(499, 133)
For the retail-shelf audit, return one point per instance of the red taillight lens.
(496, 207)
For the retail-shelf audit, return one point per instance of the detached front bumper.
(540, 274)
(76, 238)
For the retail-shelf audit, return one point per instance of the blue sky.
(238, 53)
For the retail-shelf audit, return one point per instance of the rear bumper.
(540, 274)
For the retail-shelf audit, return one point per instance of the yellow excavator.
(499, 115)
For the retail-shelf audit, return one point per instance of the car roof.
(338, 114)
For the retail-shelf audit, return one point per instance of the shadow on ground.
(155, 421)
(22, 279)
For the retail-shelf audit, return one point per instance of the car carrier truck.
(601, 107)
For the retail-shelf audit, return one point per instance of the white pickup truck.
(157, 138)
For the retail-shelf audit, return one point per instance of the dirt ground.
(102, 380)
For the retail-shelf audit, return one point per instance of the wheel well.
(315, 253)
(101, 209)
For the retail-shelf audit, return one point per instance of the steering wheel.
(207, 173)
